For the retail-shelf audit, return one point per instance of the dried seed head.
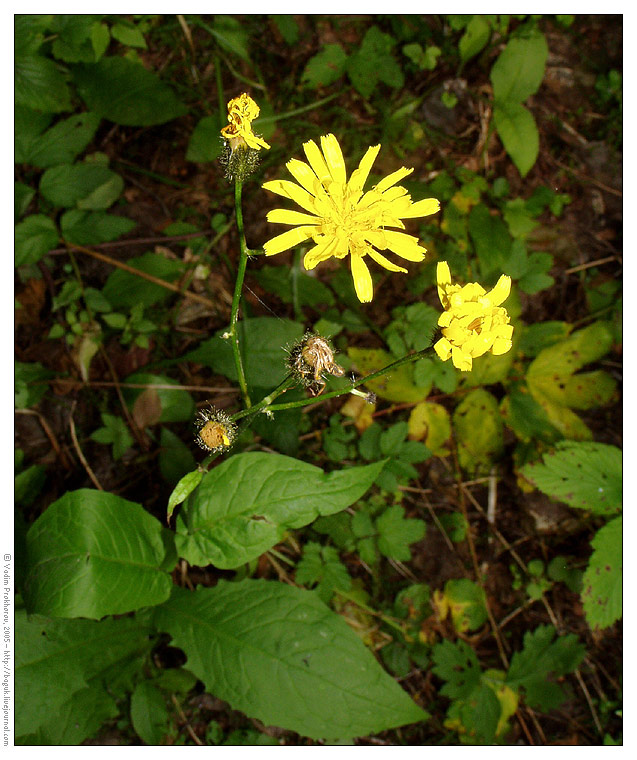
(309, 358)
(215, 430)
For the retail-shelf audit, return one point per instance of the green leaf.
(28, 125)
(475, 717)
(115, 431)
(29, 31)
(541, 335)
(542, 660)
(553, 384)
(56, 659)
(519, 221)
(478, 428)
(230, 33)
(518, 131)
(602, 582)
(182, 490)
(128, 34)
(281, 280)
(152, 405)
(249, 640)
(373, 62)
(535, 278)
(491, 241)
(584, 475)
(325, 67)
(206, 142)
(458, 665)
(148, 712)
(244, 506)
(262, 341)
(519, 70)
(72, 42)
(63, 142)
(93, 554)
(89, 186)
(321, 566)
(526, 417)
(175, 457)
(126, 93)
(287, 27)
(396, 533)
(29, 387)
(22, 197)
(100, 39)
(40, 85)
(28, 485)
(430, 422)
(466, 603)
(94, 227)
(476, 36)
(125, 290)
(35, 236)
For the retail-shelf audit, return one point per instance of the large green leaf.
(262, 340)
(93, 554)
(602, 581)
(244, 507)
(206, 142)
(279, 654)
(93, 227)
(491, 241)
(56, 659)
(28, 126)
(125, 92)
(152, 405)
(582, 474)
(519, 70)
(89, 186)
(398, 385)
(518, 131)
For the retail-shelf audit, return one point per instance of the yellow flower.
(242, 111)
(473, 321)
(342, 219)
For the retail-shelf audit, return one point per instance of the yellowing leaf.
(430, 423)
(478, 428)
(360, 411)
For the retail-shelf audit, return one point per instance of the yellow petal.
(320, 252)
(461, 360)
(501, 346)
(380, 259)
(406, 246)
(360, 175)
(422, 208)
(443, 349)
(316, 161)
(334, 158)
(303, 175)
(287, 216)
(288, 240)
(292, 191)
(392, 178)
(500, 292)
(253, 141)
(362, 279)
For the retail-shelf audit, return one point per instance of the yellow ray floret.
(242, 111)
(341, 219)
(473, 322)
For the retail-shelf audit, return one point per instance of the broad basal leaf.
(55, 659)
(519, 134)
(244, 507)
(278, 654)
(478, 428)
(397, 385)
(87, 186)
(93, 554)
(519, 70)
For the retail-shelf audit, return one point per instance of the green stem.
(296, 111)
(236, 299)
(283, 386)
(361, 381)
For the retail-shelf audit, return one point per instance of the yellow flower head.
(473, 321)
(343, 219)
(242, 111)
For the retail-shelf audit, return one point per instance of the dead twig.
(144, 275)
(80, 454)
(49, 434)
(183, 717)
